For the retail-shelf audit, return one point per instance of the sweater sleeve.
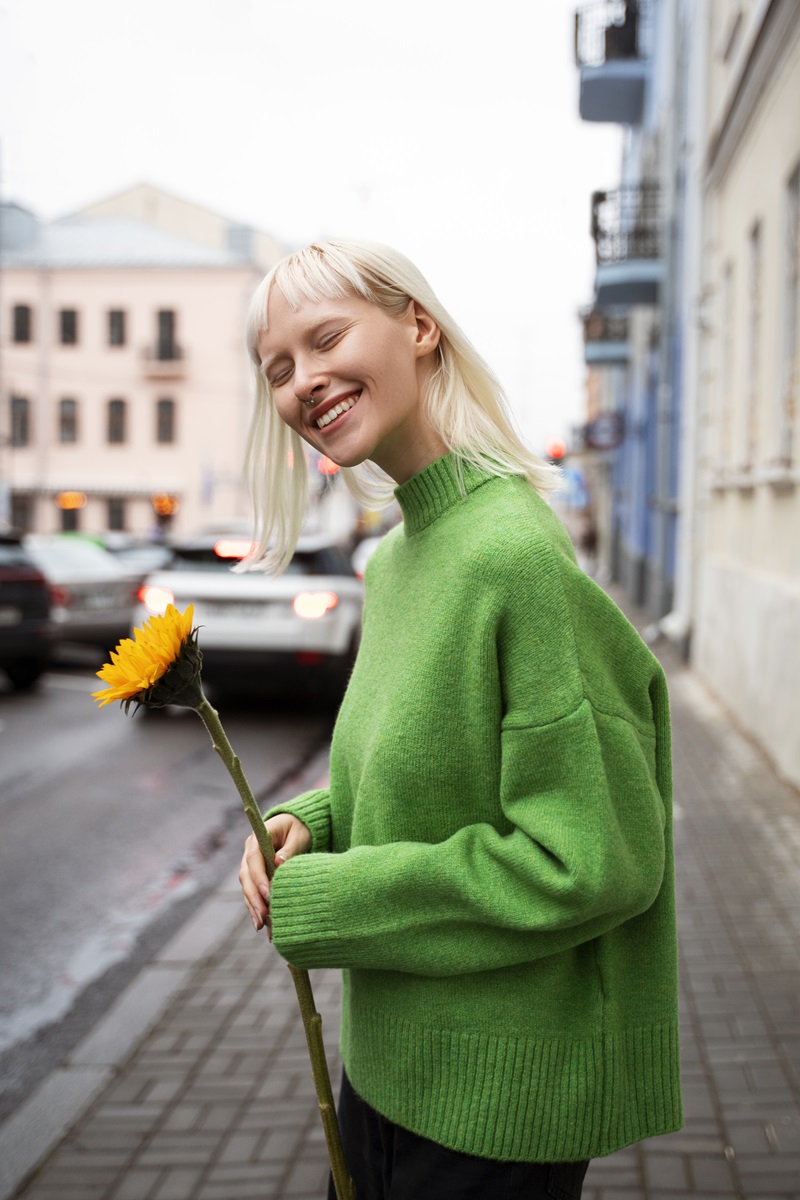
(314, 810)
(584, 854)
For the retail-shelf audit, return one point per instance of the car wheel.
(25, 673)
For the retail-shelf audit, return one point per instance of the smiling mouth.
(338, 410)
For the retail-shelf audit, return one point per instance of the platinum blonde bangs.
(464, 402)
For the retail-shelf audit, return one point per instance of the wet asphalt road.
(113, 828)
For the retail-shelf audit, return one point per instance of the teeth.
(336, 411)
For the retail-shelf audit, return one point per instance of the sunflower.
(156, 666)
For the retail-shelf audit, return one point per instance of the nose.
(309, 383)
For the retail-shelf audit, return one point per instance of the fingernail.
(262, 887)
(256, 923)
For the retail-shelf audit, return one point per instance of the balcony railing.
(605, 337)
(599, 326)
(627, 232)
(167, 361)
(626, 223)
(608, 31)
(612, 49)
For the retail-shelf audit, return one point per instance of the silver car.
(297, 633)
(91, 595)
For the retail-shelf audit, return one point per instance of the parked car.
(92, 596)
(25, 626)
(296, 633)
(137, 555)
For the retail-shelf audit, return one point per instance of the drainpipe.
(678, 623)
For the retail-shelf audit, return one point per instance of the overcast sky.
(447, 128)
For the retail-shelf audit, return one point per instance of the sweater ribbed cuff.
(314, 810)
(303, 922)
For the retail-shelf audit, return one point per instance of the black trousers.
(387, 1162)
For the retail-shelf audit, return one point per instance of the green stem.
(312, 1021)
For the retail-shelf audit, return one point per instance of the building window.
(790, 372)
(115, 513)
(22, 510)
(68, 327)
(165, 421)
(68, 421)
(726, 373)
(22, 323)
(20, 421)
(166, 349)
(117, 421)
(116, 327)
(750, 415)
(70, 519)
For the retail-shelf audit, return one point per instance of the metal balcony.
(164, 362)
(605, 338)
(627, 232)
(611, 49)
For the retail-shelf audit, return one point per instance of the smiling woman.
(354, 322)
(491, 863)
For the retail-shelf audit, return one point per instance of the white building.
(745, 571)
(125, 387)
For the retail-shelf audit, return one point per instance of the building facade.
(704, 516)
(623, 51)
(745, 573)
(125, 383)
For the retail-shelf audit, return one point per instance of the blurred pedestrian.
(491, 863)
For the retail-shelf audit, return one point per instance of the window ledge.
(780, 478)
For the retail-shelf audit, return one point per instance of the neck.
(411, 455)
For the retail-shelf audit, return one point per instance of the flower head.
(160, 665)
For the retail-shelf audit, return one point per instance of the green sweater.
(491, 865)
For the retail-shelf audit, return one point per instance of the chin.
(345, 459)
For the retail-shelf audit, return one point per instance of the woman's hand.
(289, 837)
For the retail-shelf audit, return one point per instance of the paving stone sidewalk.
(215, 1101)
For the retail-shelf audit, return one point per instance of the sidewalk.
(196, 1086)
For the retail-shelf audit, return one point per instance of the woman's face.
(364, 369)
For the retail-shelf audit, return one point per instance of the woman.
(491, 865)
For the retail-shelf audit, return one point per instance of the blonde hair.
(464, 401)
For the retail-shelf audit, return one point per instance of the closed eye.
(279, 378)
(330, 339)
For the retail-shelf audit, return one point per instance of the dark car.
(25, 627)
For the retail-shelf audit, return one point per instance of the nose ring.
(310, 401)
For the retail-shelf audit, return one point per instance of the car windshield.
(12, 555)
(56, 554)
(329, 560)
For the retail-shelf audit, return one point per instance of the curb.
(36, 1128)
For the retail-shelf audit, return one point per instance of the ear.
(428, 332)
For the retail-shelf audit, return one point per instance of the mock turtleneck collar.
(427, 495)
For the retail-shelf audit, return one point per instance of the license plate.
(97, 600)
(241, 610)
(9, 615)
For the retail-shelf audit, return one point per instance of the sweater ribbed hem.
(427, 495)
(516, 1099)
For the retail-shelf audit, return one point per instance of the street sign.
(605, 432)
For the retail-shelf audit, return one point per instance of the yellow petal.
(139, 662)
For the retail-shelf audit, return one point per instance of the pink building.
(126, 392)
